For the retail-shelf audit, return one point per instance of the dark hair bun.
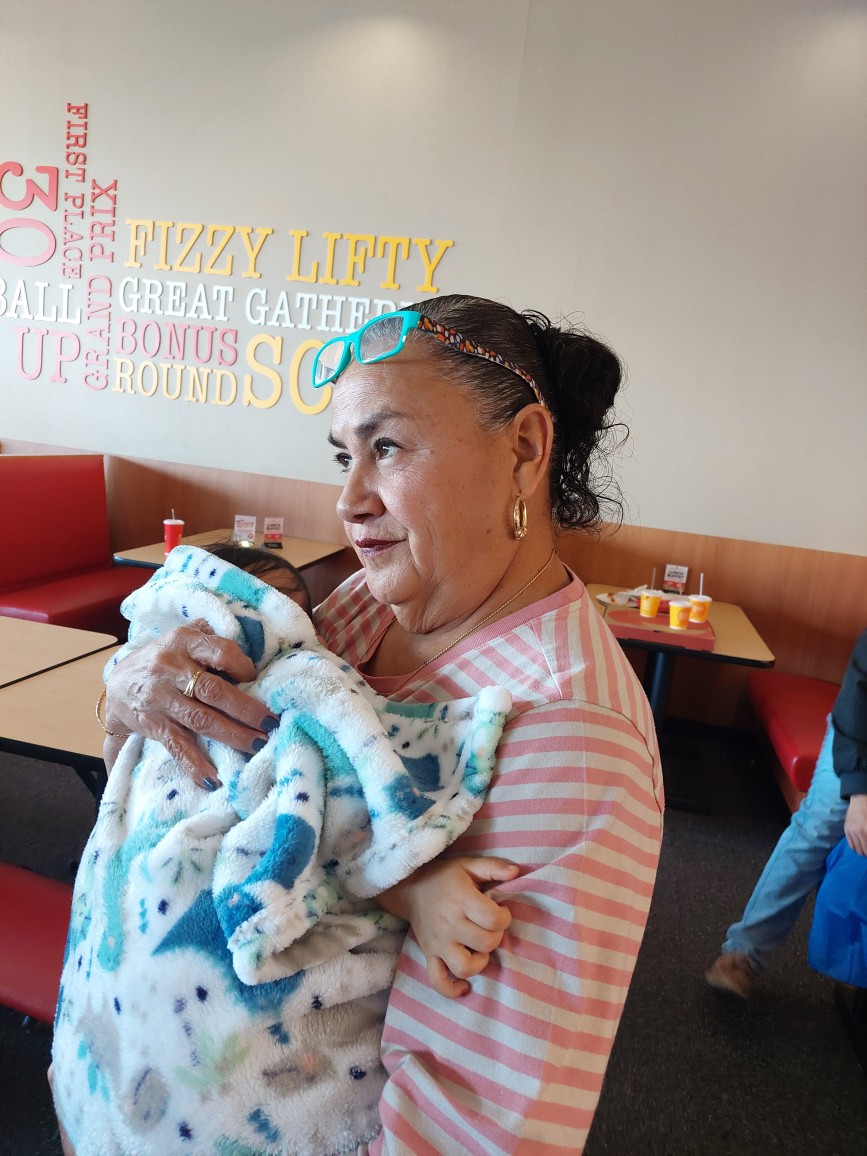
(578, 376)
(583, 371)
(583, 376)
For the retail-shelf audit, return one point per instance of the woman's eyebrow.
(368, 427)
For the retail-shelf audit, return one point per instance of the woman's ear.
(532, 437)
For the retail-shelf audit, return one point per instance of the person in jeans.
(834, 806)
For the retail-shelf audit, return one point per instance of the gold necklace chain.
(477, 626)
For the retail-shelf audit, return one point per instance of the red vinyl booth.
(793, 710)
(34, 919)
(56, 564)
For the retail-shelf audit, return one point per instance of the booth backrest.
(53, 518)
(793, 710)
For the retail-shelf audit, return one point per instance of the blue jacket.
(850, 724)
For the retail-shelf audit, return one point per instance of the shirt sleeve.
(347, 619)
(331, 615)
(516, 1066)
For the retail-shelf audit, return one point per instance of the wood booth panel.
(142, 493)
(807, 604)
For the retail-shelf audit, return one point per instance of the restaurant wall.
(196, 194)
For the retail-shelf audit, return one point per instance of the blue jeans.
(796, 865)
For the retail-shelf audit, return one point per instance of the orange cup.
(678, 614)
(173, 528)
(699, 606)
(648, 606)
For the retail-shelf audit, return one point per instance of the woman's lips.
(370, 547)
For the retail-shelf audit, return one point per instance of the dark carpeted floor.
(692, 1073)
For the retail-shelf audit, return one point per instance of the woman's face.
(427, 497)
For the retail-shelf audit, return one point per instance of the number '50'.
(32, 192)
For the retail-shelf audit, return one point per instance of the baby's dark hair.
(260, 562)
(577, 375)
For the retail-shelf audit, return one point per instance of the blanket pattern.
(227, 970)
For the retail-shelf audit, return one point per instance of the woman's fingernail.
(270, 724)
(210, 784)
(258, 744)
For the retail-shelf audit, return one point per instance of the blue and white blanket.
(227, 972)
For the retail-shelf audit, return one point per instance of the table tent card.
(274, 533)
(674, 581)
(245, 528)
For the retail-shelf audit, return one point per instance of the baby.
(227, 969)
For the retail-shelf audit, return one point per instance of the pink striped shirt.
(516, 1066)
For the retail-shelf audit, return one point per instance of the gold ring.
(190, 689)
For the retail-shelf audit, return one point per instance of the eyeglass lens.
(381, 337)
(328, 361)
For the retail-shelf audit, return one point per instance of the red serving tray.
(628, 623)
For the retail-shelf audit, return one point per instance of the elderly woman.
(467, 432)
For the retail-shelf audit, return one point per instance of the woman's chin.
(392, 585)
(382, 585)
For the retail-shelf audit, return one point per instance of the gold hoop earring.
(519, 518)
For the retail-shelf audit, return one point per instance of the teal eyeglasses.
(386, 335)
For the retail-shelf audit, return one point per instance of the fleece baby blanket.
(227, 971)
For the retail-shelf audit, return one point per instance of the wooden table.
(51, 716)
(301, 552)
(27, 648)
(736, 640)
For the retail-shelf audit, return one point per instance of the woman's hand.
(457, 926)
(855, 826)
(144, 696)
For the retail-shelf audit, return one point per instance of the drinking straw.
(701, 583)
(173, 516)
(653, 580)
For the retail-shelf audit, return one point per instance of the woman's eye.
(343, 461)
(383, 447)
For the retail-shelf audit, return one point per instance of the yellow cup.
(699, 606)
(649, 603)
(678, 614)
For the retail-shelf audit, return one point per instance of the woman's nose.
(358, 500)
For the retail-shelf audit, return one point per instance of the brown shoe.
(735, 972)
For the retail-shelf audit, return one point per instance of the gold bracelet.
(100, 702)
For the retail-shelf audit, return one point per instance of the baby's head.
(268, 566)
